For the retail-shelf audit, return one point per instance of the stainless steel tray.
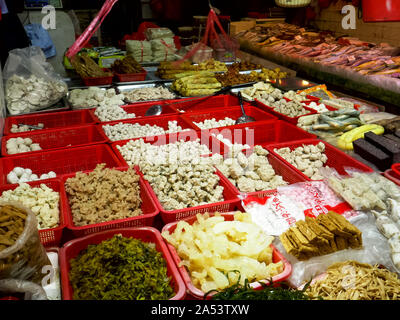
(236, 90)
(62, 105)
(128, 87)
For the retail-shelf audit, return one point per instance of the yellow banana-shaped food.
(346, 140)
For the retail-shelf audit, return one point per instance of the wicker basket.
(293, 3)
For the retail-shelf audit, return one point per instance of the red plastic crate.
(262, 133)
(159, 121)
(149, 208)
(146, 234)
(288, 174)
(139, 109)
(231, 202)
(48, 237)
(392, 176)
(197, 293)
(60, 138)
(281, 116)
(51, 120)
(61, 161)
(231, 112)
(97, 81)
(213, 144)
(130, 77)
(337, 159)
(209, 104)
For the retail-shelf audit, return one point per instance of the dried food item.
(197, 84)
(94, 97)
(21, 145)
(244, 66)
(184, 185)
(86, 67)
(21, 175)
(11, 226)
(212, 65)
(42, 200)
(384, 144)
(251, 174)
(372, 154)
(139, 50)
(22, 256)
(138, 152)
(291, 109)
(124, 131)
(145, 94)
(120, 268)
(168, 70)
(112, 112)
(103, 195)
(128, 65)
(323, 235)
(16, 128)
(163, 49)
(27, 94)
(213, 123)
(307, 158)
(212, 248)
(352, 280)
(232, 77)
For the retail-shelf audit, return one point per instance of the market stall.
(298, 202)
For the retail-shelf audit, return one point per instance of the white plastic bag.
(31, 83)
(31, 290)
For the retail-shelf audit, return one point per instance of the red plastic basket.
(392, 176)
(60, 138)
(213, 144)
(337, 159)
(51, 120)
(262, 133)
(97, 81)
(231, 112)
(197, 293)
(48, 237)
(230, 203)
(288, 174)
(130, 77)
(147, 234)
(61, 161)
(159, 121)
(139, 109)
(149, 208)
(281, 116)
(380, 11)
(208, 104)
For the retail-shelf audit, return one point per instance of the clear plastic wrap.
(158, 33)
(31, 290)
(375, 250)
(31, 83)
(25, 259)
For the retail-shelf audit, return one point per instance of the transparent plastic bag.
(158, 33)
(375, 250)
(31, 84)
(25, 259)
(31, 290)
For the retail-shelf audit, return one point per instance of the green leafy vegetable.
(120, 269)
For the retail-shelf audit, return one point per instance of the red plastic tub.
(231, 202)
(139, 109)
(97, 81)
(51, 120)
(61, 161)
(381, 11)
(263, 133)
(231, 112)
(208, 104)
(147, 234)
(337, 159)
(152, 121)
(60, 138)
(392, 176)
(213, 144)
(149, 208)
(288, 174)
(48, 237)
(197, 293)
(130, 77)
(281, 116)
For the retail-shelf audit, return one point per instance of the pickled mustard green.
(120, 268)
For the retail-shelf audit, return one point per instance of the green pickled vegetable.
(120, 269)
(271, 291)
